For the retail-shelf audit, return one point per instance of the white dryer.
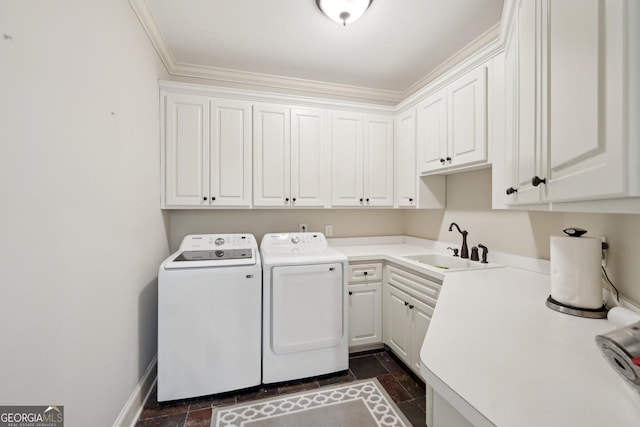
(209, 316)
(304, 286)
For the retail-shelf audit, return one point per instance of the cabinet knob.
(213, 198)
(204, 198)
(365, 273)
(367, 200)
(535, 181)
(361, 199)
(448, 159)
(350, 293)
(411, 307)
(286, 200)
(442, 161)
(410, 199)
(406, 303)
(511, 190)
(294, 200)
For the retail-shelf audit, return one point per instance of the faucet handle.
(455, 250)
(474, 254)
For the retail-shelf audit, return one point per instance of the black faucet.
(464, 250)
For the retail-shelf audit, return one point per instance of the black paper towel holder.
(590, 313)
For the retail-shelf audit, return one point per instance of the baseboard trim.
(131, 410)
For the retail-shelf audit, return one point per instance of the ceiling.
(389, 50)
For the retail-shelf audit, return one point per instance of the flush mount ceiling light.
(343, 11)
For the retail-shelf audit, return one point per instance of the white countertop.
(395, 249)
(499, 355)
(493, 342)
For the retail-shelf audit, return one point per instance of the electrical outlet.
(605, 247)
(303, 228)
(328, 230)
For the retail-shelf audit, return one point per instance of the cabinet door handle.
(367, 200)
(365, 273)
(511, 190)
(213, 198)
(410, 199)
(535, 181)
(411, 307)
(406, 303)
(294, 200)
(448, 159)
(442, 161)
(286, 200)
(204, 198)
(361, 199)
(350, 293)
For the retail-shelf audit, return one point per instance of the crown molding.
(309, 87)
(143, 12)
(303, 86)
(483, 40)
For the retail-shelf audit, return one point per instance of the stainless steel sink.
(444, 262)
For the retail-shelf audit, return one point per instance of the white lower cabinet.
(365, 314)
(365, 305)
(408, 304)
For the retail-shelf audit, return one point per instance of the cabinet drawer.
(365, 272)
(420, 287)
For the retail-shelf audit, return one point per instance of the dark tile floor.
(402, 385)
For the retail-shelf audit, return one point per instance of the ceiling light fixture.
(343, 11)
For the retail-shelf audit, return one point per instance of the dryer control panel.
(298, 242)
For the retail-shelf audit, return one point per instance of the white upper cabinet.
(230, 153)
(452, 125)
(271, 153)
(467, 103)
(206, 153)
(378, 160)
(572, 97)
(432, 132)
(362, 159)
(309, 153)
(405, 159)
(186, 150)
(289, 156)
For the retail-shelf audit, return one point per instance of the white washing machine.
(304, 286)
(209, 316)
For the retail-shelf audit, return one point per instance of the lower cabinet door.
(365, 314)
(421, 316)
(397, 322)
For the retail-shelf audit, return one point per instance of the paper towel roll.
(575, 271)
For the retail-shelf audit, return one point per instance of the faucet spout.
(464, 250)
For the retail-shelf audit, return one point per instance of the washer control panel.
(218, 242)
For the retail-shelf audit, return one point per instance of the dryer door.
(306, 307)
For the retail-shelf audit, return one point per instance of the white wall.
(82, 232)
(345, 222)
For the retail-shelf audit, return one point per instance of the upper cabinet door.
(467, 103)
(186, 150)
(309, 152)
(527, 143)
(378, 160)
(586, 99)
(405, 159)
(432, 132)
(271, 154)
(230, 153)
(347, 153)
